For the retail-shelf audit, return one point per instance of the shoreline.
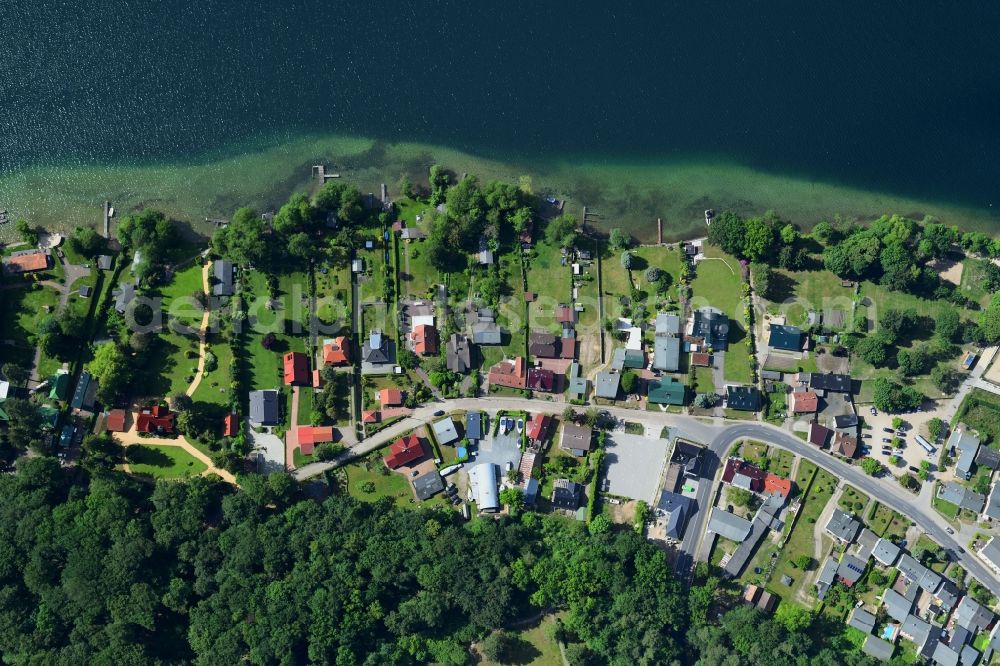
(630, 195)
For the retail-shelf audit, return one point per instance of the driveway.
(270, 450)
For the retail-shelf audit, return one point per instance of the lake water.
(897, 98)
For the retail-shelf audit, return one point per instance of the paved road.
(719, 436)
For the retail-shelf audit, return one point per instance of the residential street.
(718, 436)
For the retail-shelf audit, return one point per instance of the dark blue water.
(902, 97)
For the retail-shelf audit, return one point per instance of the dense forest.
(102, 568)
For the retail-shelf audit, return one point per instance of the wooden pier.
(320, 175)
(107, 219)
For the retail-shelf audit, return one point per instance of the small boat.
(709, 214)
(111, 212)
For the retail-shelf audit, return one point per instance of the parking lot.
(633, 465)
(914, 424)
(499, 449)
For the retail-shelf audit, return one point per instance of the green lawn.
(811, 290)
(850, 498)
(703, 380)
(781, 462)
(753, 450)
(333, 290)
(552, 282)
(614, 280)
(533, 647)
(215, 385)
(373, 286)
(305, 406)
(163, 462)
(385, 485)
(718, 283)
(736, 367)
(885, 522)
(265, 364)
(23, 310)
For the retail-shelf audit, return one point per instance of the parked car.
(888, 430)
(949, 530)
(439, 412)
(874, 412)
(913, 468)
(887, 440)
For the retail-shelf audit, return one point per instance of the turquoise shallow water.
(898, 98)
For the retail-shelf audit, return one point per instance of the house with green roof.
(635, 359)
(60, 386)
(667, 391)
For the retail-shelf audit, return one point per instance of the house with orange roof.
(511, 373)
(803, 402)
(425, 339)
(156, 419)
(296, 369)
(336, 351)
(27, 261)
(390, 397)
(310, 436)
(776, 485)
(370, 416)
(317, 378)
(230, 425)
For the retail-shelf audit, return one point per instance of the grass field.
(265, 364)
(736, 367)
(163, 462)
(703, 380)
(552, 281)
(385, 485)
(215, 385)
(781, 462)
(798, 292)
(333, 290)
(533, 647)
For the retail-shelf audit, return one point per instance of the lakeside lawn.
(736, 366)
(215, 385)
(163, 462)
(422, 278)
(795, 293)
(718, 283)
(372, 287)
(552, 281)
(23, 311)
(333, 290)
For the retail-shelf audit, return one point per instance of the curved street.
(716, 434)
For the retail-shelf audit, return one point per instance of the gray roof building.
(85, 393)
(969, 656)
(961, 496)
(124, 295)
(474, 425)
(444, 430)
(915, 630)
(991, 554)
(728, 525)
(668, 324)
(483, 478)
(967, 444)
(376, 353)
(104, 262)
(988, 457)
(851, 569)
(264, 407)
(917, 573)
(675, 509)
(606, 384)
(486, 333)
(566, 494)
(712, 325)
(223, 271)
(666, 353)
(427, 485)
(866, 543)
(947, 595)
(896, 605)
(762, 522)
(576, 439)
(972, 615)
(842, 526)
(885, 552)
(826, 578)
(877, 648)
(992, 509)
(458, 353)
(862, 620)
(944, 655)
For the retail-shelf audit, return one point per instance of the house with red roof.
(404, 451)
(819, 435)
(776, 485)
(230, 425)
(540, 379)
(310, 436)
(296, 366)
(370, 416)
(390, 397)
(844, 445)
(157, 419)
(567, 348)
(803, 402)
(701, 359)
(337, 351)
(512, 373)
(115, 422)
(743, 474)
(538, 427)
(425, 339)
(565, 314)
(317, 378)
